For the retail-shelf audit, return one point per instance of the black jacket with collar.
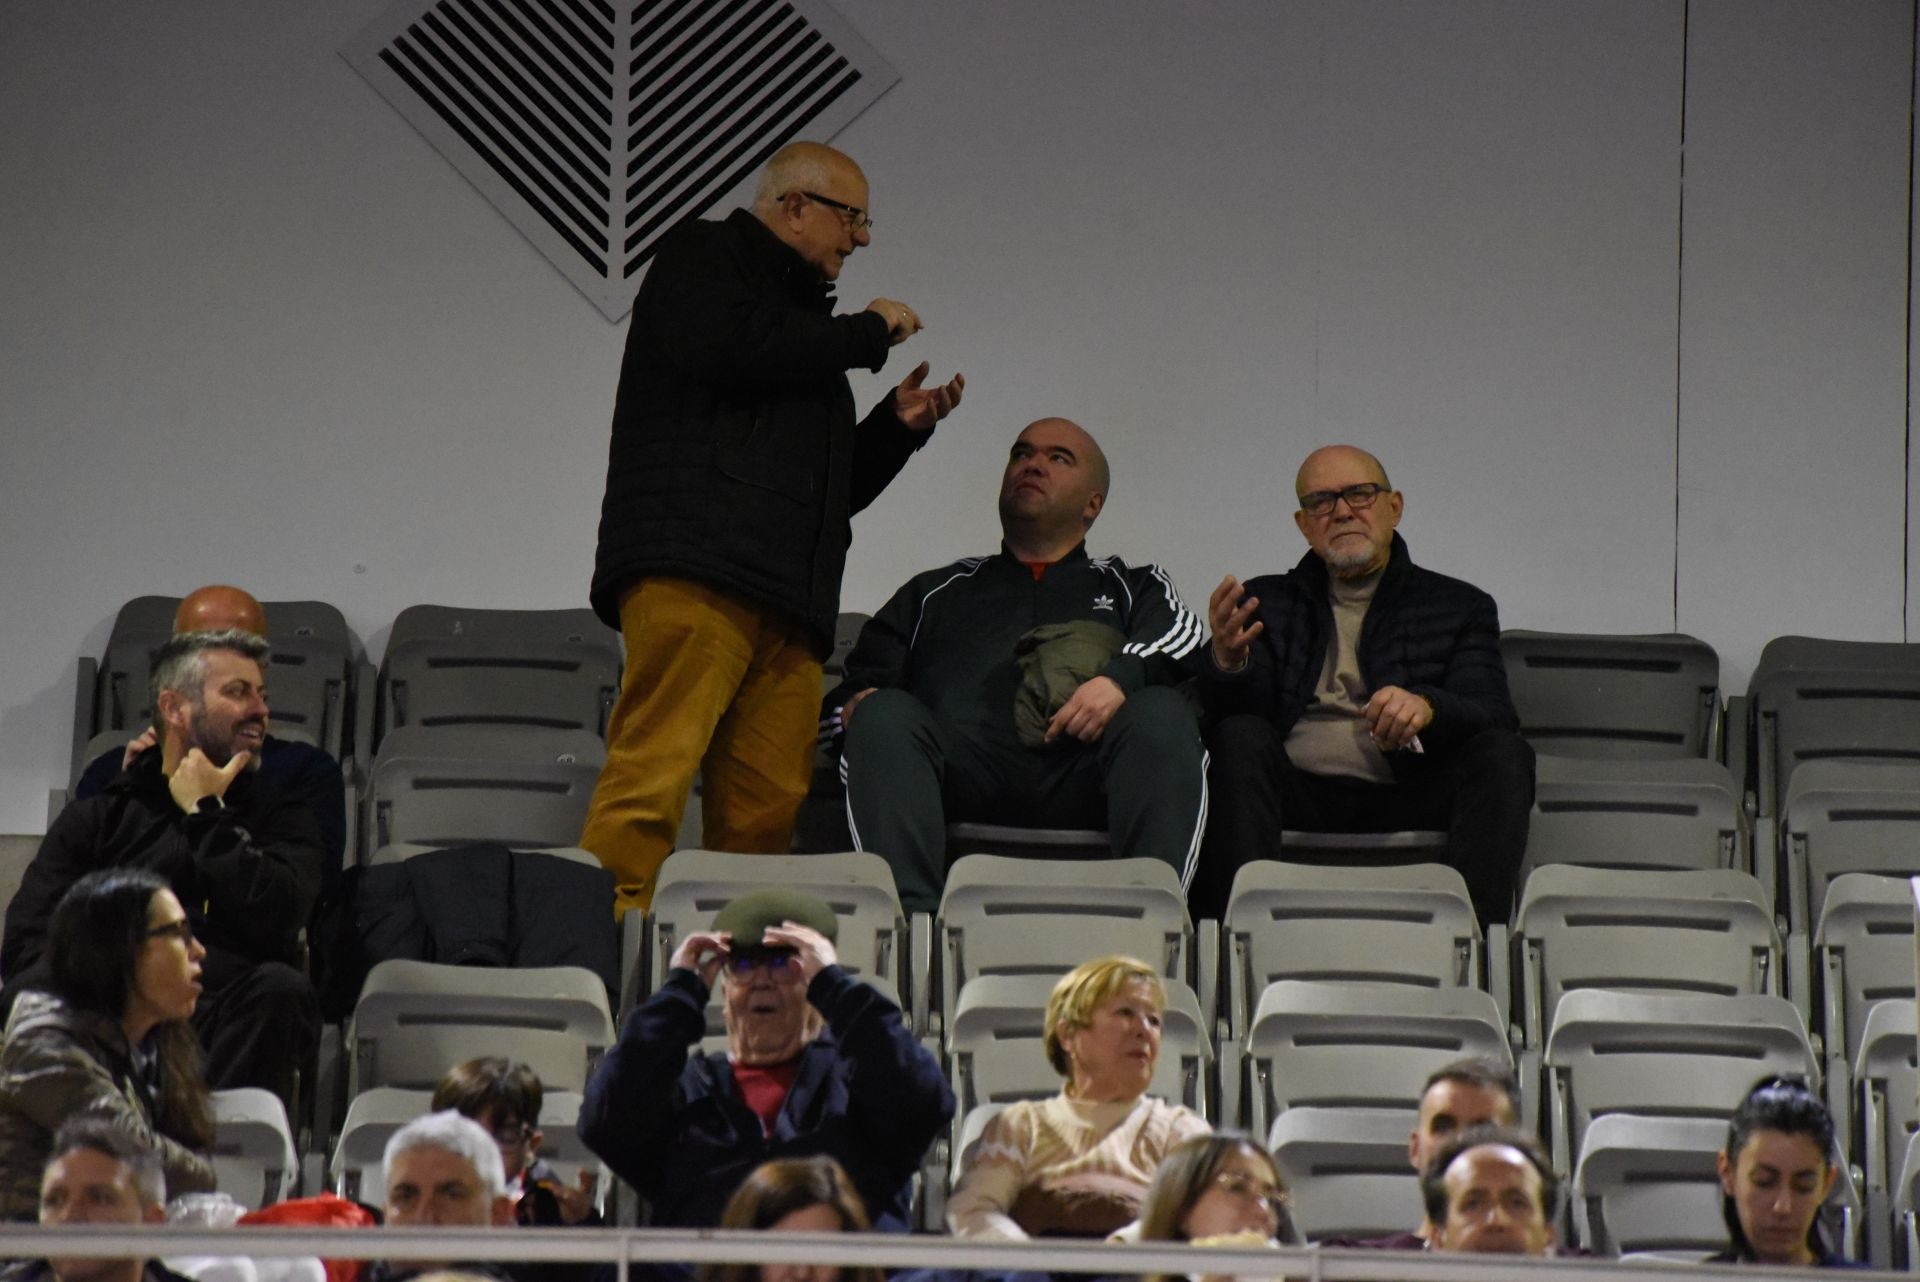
(735, 457)
(673, 1125)
(1432, 635)
(247, 872)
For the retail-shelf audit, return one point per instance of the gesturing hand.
(196, 777)
(902, 321)
(1230, 611)
(135, 746)
(919, 408)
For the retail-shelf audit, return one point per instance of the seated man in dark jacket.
(817, 1063)
(1361, 693)
(297, 770)
(244, 860)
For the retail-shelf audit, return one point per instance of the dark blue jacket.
(1432, 635)
(866, 1094)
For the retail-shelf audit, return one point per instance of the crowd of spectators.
(157, 945)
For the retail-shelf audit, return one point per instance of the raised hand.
(1230, 611)
(919, 408)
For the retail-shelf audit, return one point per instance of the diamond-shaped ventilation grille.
(594, 130)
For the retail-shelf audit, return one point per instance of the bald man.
(735, 470)
(296, 770)
(942, 719)
(1360, 692)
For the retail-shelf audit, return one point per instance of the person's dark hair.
(1780, 1103)
(94, 940)
(508, 1089)
(1433, 1181)
(1186, 1173)
(1479, 1071)
(776, 1190)
(98, 1135)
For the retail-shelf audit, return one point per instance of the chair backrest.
(1409, 924)
(447, 786)
(1361, 1046)
(846, 632)
(1865, 950)
(122, 695)
(549, 669)
(1005, 916)
(308, 683)
(1841, 817)
(1346, 1170)
(357, 1169)
(1707, 932)
(415, 1020)
(1815, 699)
(253, 1154)
(1649, 1184)
(1673, 815)
(1888, 1085)
(996, 1054)
(310, 673)
(693, 885)
(1663, 1056)
(1603, 695)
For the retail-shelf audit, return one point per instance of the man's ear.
(172, 710)
(533, 1145)
(1095, 502)
(1413, 1150)
(1300, 523)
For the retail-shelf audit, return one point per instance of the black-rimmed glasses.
(856, 217)
(1358, 497)
(181, 930)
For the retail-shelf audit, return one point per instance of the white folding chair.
(415, 1020)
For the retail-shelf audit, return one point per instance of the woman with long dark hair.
(1775, 1173)
(1220, 1189)
(112, 1038)
(794, 1195)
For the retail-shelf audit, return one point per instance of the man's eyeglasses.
(181, 930)
(856, 217)
(1358, 497)
(745, 963)
(1246, 1189)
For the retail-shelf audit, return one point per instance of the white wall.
(1217, 235)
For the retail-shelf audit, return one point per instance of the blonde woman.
(1078, 1165)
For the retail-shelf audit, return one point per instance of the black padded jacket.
(1432, 635)
(735, 457)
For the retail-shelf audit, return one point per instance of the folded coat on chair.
(486, 905)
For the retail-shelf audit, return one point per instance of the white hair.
(798, 166)
(452, 1133)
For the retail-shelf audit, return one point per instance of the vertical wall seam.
(1679, 299)
(1906, 443)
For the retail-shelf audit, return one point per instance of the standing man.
(735, 469)
(1360, 692)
